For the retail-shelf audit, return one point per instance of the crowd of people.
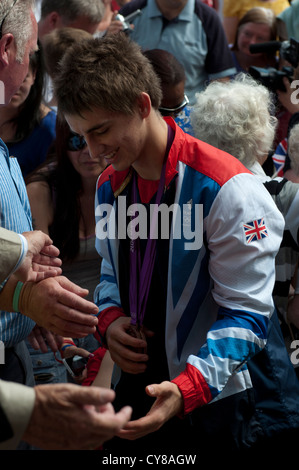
(149, 226)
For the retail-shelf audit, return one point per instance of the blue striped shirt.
(15, 215)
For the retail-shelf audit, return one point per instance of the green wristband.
(16, 296)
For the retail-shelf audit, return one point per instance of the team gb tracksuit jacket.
(219, 312)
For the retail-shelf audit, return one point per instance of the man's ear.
(144, 104)
(7, 49)
(53, 19)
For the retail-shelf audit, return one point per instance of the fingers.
(44, 259)
(52, 306)
(124, 348)
(41, 338)
(68, 285)
(123, 416)
(95, 396)
(72, 295)
(50, 250)
(41, 275)
(66, 322)
(37, 240)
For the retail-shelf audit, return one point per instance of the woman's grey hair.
(237, 117)
(70, 10)
(18, 22)
(293, 148)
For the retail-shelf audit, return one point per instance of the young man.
(204, 305)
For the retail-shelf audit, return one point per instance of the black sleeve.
(219, 56)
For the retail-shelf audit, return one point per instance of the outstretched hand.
(168, 403)
(58, 305)
(41, 260)
(70, 417)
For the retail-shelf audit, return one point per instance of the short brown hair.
(108, 73)
(56, 43)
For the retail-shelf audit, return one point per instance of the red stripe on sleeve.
(106, 317)
(194, 388)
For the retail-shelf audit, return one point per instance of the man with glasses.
(48, 416)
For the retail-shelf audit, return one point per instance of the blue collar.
(185, 15)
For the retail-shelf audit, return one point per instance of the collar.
(185, 15)
(5, 152)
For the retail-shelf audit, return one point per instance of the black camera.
(271, 77)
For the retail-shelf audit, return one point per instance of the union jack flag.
(255, 230)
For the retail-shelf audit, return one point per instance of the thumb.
(152, 390)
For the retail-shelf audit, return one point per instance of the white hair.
(235, 116)
(18, 22)
(293, 148)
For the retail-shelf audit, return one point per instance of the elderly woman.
(237, 117)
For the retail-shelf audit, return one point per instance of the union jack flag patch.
(255, 230)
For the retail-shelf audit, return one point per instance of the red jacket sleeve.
(107, 316)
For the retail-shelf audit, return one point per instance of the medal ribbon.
(140, 285)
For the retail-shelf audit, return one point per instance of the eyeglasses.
(2, 22)
(177, 110)
(76, 142)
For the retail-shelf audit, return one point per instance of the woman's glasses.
(176, 110)
(75, 142)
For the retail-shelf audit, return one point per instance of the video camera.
(271, 77)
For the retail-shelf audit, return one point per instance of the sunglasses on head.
(75, 142)
(176, 110)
